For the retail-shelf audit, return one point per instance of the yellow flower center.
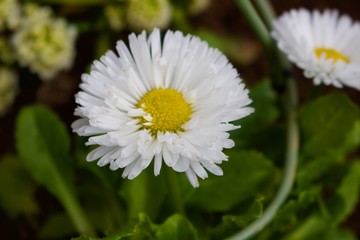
(331, 54)
(166, 110)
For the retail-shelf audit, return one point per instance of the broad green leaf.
(17, 188)
(146, 193)
(246, 174)
(43, 145)
(176, 227)
(313, 169)
(326, 122)
(346, 195)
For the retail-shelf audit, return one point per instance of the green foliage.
(175, 227)
(17, 188)
(43, 144)
(139, 194)
(326, 122)
(231, 223)
(245, 176)
(346, 195)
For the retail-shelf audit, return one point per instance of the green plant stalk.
(174, 191)
(289, 169)
(266, 11)
(262, 33)
(292, 144)
(73, 209)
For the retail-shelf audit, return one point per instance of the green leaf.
(176, 227)
(139, 194)
(43, 144)
(246, 174)
(266, 112)
(232, 223)
(142, 229)
(315, 228)
(17, 188)
(313, 169)
(346, 195)
(326, 122)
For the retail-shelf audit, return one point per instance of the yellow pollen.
(167, 108)
(331, 54)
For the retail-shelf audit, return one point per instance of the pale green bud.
(148, 14)
(116, 17)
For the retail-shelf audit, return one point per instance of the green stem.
(289, 169)
(255, 22)
(75, 211)
(266, 11)
(174, 191)
(292, 143)
(261, 32)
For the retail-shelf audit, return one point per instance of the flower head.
(147, 14)
(168, 102)
(9, 14)
(324, 44)
(44, 44)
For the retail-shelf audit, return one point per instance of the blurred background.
(80, 31)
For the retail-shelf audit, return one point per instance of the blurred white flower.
(8, 89)
(147, 14)
(168, 101)
(43, 43)
(9, 14)
(324, 44)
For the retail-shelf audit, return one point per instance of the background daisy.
(170, 102)
(324, 44)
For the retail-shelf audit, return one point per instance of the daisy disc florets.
(169, 100)
(324, 44)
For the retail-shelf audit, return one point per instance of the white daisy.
(168, 102)
(324, 44)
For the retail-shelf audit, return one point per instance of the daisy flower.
(169, 101)
(324, 44)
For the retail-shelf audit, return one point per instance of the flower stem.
(255, 22)
(262, 33)
(174, 191)
(266, 11)
(75, 211)
(292, 143)
(289, 169)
